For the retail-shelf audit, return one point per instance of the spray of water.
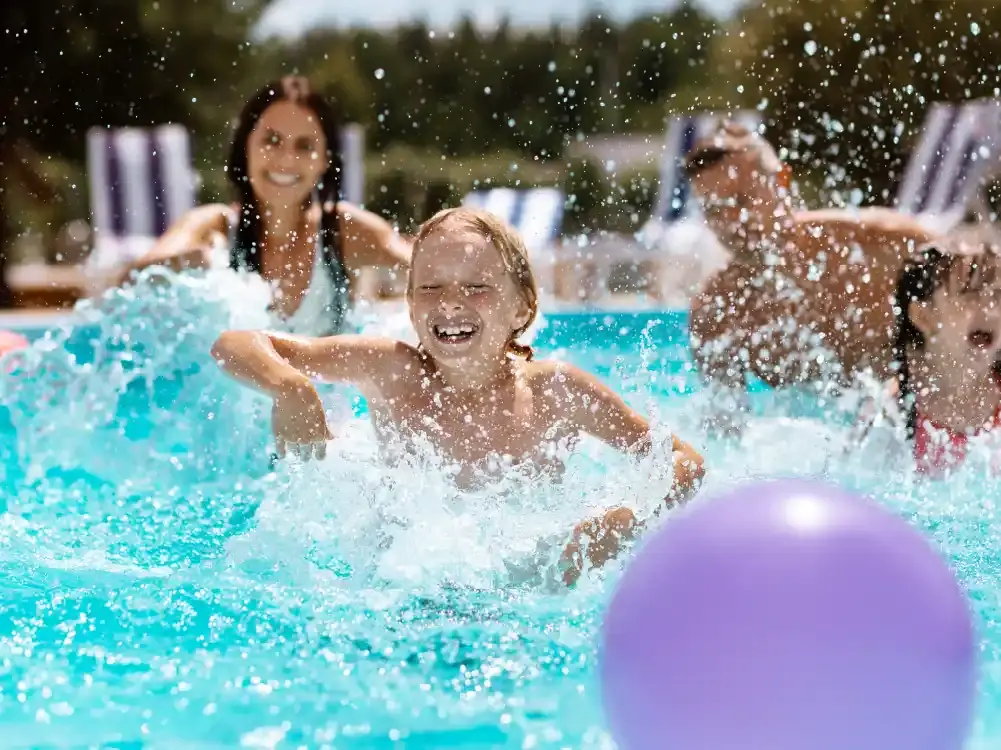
(123, 422)
(151, 546)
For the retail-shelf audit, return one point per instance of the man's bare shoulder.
(875, 220)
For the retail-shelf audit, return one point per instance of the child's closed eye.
(976, 275)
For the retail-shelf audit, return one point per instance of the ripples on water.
(165, 586)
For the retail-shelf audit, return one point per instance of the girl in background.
(948, 381)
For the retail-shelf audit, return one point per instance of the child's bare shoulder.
(389, 366)
(374, 354)
(554, 377)
(400, 354)
(543, 370)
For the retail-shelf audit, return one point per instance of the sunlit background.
(451, 94)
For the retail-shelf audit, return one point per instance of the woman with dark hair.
(290, 225)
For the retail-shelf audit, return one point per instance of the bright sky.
(290, 17)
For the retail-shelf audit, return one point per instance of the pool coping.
(40, 320)
(35, 319)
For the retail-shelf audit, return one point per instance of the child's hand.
(688, 471)
(299, 423)
(602, 540)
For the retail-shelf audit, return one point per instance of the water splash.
(133, 374)
(407, 526)
(165, 585)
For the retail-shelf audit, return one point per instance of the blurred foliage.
(73, 64)
(473, 92)
(844, 84)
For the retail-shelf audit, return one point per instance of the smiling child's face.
(464, 303)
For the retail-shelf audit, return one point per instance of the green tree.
(68, 65)
(663, 53)
(849, 82)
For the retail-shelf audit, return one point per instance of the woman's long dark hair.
(921, 277)
(246, 253)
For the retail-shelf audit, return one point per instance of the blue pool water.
(165, 588)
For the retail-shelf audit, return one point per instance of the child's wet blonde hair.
(512, 251)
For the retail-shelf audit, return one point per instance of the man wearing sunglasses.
(806, 296)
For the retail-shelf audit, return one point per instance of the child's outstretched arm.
(282, 366)
(271, 362)
(594, 408)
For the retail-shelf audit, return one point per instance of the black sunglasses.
(703, 159)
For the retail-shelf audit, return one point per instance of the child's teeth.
(455, 330)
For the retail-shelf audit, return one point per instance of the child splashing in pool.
(469, 388)
(948, 378)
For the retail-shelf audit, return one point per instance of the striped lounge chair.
(141, 182)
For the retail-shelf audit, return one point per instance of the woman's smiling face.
(286, 154)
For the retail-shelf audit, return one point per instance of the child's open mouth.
(454, 333)
(981, 338)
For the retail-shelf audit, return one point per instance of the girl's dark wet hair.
(248, 234)
(918, 282)
(921, 277)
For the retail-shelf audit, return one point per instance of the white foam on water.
(407, 526)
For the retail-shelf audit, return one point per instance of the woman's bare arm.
(369, 240)
(187, 243)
